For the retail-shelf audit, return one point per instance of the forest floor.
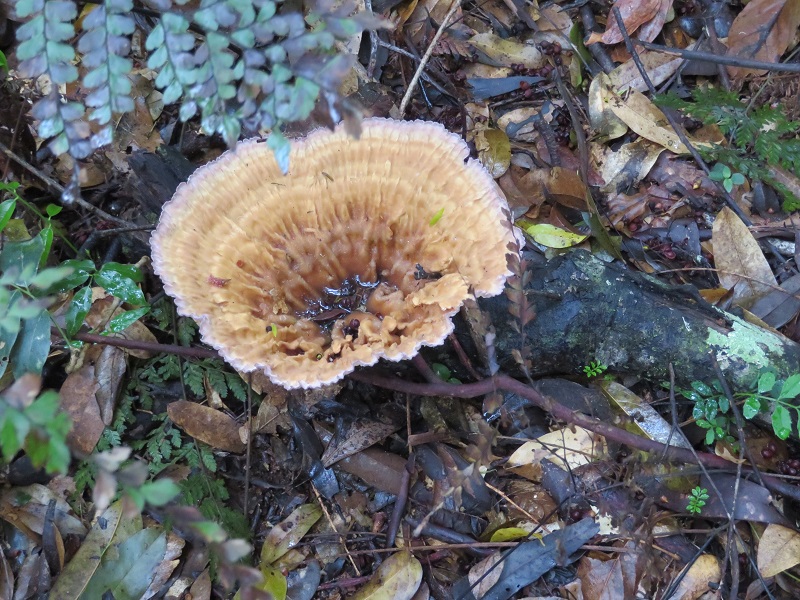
(136, 462)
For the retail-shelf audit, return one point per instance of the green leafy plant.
(757, 137)
(241, 65)
(712, 408)
(594, 368)
(697, 500)
(723, 174)
(33, 423)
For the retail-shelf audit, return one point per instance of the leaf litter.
(489, 500)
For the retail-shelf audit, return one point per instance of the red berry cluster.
(552, 49)
(789, 466)
(769, 450)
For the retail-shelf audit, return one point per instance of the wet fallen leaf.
(778, 307)
(763, 31)
(778, 550)
(79, 400)
(25, 508)
(494, 150)
(398, 578)
(739, 259)
(210, 426)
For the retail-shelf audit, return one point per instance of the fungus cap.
(365, 250)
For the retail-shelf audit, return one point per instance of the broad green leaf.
(33, 345)
(124, 320)
(48, 278)
(6, 211)
(781, 422)
(23, 257)
(703, 388)
(752, 406)
(766, 382)
(78, 309)
(13, 431)
(288, 533)
(159, 492)
(81, 271)
(791, 387)
(118, 281)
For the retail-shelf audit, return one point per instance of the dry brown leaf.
(778, 550)
(739, 259)
(210, 426)
(601, 579)
(104, 308)
(763, 31)
(82, 394)
(634, 13)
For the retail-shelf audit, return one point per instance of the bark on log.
(587, 310)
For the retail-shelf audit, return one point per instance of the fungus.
(365, 250)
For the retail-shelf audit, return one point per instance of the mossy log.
(581, 309)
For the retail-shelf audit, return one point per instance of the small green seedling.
(697, 500)
(723, 173)
(594, 368)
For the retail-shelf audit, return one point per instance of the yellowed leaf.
(701, 572)
(494, 150)
(739, 259)
(398, 578)
(778, 550)
(505, 53)
(554, 237)
(568, 448)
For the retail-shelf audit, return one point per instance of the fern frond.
(43, 51)
(105, 47)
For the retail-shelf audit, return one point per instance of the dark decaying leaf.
(357, 437)
(525, 563)
(763, 31)
(779, 307)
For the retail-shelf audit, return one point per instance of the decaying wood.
(583, 310)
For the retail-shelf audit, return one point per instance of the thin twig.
(427, 56)
(156, 348)
(720, 59)
(561, 412)
(57, 188)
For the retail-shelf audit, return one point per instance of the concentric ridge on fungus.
(341, 262)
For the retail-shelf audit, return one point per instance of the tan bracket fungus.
(365, 250)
